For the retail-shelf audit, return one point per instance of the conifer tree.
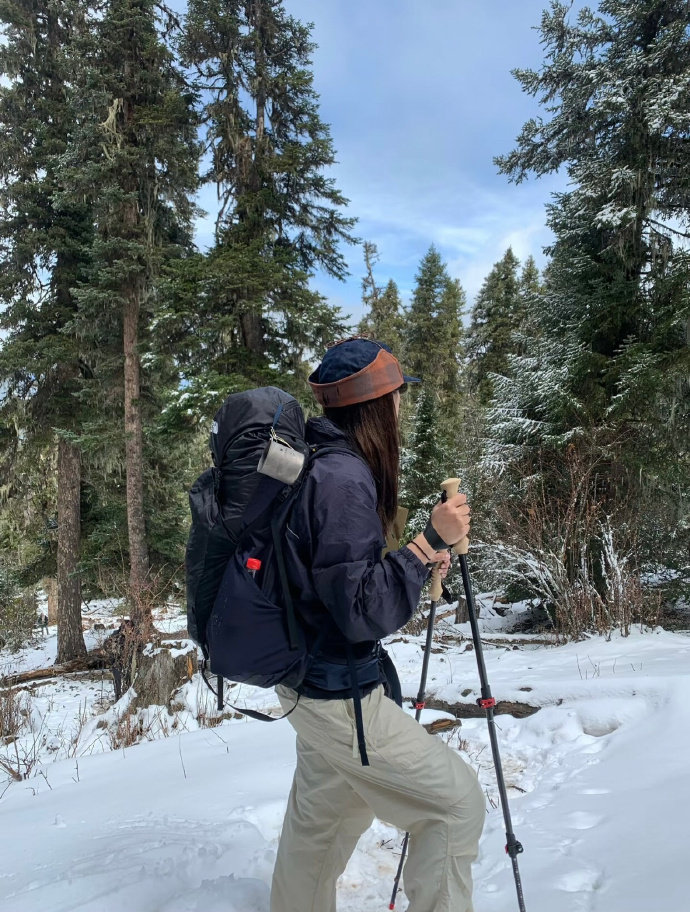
(618, 97)
(496, 316)
(43, 254)
(371, 292)
(613, 312)
(425, 459)
(280, 215)
(383, 319)
(529, 284)
(432, 349)
(135, 159)
(434, 326)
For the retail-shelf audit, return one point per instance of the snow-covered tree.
(616, 87)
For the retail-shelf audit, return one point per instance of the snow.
(189, 818)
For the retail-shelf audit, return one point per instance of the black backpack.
(244, 619)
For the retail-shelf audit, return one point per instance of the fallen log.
(473, 711)
(91, 662)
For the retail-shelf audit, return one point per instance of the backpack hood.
(249, 415)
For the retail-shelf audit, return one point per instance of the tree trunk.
(462, 614)
(252, 334)
(70, 637)
(49, 584)
(255, 179)
(140, 611)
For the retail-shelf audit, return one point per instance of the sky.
(420, 98)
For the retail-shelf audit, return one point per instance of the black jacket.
(345, 591)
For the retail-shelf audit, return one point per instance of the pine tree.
(383, 319)
(432, 348)
(425, 460)
(496, 316)
(617, 92)
(134, 158)
(449, 336)
(371, 292)
(529, 284)
(434, 326)
(43, 254)
(280, 216)
(611, 318)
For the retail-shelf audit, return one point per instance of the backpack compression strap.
(245, 711)
(254, 713)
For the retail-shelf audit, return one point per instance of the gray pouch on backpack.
(281, 462)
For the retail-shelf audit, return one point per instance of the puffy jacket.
(345, 591)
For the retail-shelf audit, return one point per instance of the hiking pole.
(486, 701)
(435, 594)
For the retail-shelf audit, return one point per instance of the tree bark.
(252, 335)
(140, 611)
(70, 636)
(49, 584)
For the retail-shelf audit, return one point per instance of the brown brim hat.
(357, 370)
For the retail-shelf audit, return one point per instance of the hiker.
(359, 755)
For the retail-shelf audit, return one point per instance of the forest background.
(560, 395)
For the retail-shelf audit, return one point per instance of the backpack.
(244, 619)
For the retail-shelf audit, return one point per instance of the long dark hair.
(373, 429)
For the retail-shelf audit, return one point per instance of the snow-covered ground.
(189, 818)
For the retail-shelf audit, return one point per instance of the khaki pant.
(415, 782)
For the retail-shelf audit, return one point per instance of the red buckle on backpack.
(486, 703)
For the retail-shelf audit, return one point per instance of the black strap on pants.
(357, 703)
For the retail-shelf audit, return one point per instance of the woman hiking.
(359, 755)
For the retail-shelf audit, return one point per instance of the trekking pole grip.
(436, 589)
(451, 487)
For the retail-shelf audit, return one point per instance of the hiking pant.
(415, 782)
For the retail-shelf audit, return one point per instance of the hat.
(357, 370)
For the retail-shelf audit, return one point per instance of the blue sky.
(419, 97)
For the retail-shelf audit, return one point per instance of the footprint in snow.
(582, 881)
(582, 820)
(565, 845)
